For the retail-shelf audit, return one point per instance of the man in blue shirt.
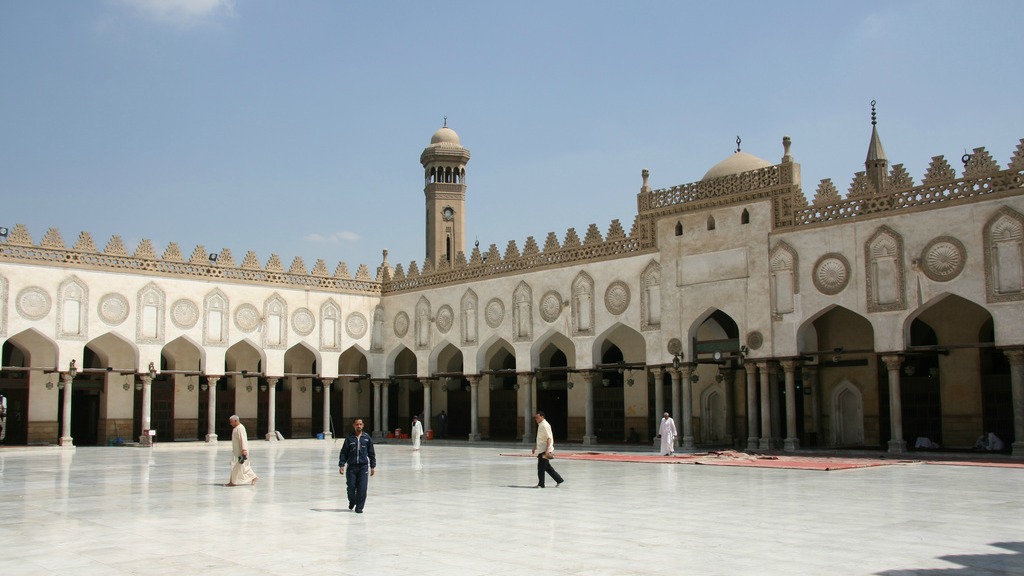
(357, 453)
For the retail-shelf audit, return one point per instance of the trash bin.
(430, 434)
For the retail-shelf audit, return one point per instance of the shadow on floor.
(975, 564)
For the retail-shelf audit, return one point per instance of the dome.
(738, 162)
(445, 136)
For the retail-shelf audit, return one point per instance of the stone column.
(524, 381)
(1016, 358)
(765, 442)
(147, 409)
(752, 427)
(327, 382)
(728, 373)
(810, 376)
(686, 393)
(65, 430)
(272, 409)
(676, 398)
(376, 408)
(474, 409)
(792, 441)
(426, 404)
(896, 444)
(589, 438)
(211, 409)
(659, 396)
(384, 406)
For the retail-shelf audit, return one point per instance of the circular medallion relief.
(616, 297)
(675, 346)
(303, 321)
(445, 317)
(184, 313)
(943, 259)
(33, 303)
(550, 306)
(495, 313)
(113, 309)
(401, 324)
(831, 274)
(355, 325)
(247, 317)
(755, 340)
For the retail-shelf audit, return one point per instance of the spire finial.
(873, 115)
(445, 122)
(738, 140)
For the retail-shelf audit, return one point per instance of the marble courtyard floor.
(465, 510)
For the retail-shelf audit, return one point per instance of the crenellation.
(320, 268)
(274, 264)
(84, 243)
(428, 266)
(593, 236)
(615, 231)
(199, 255)
(493, 256)
(20, 236)
(443, 265)
(826, 193)
(860, 187)
(414, 270)
(979, 164)
(899, 178)
(173, 253)
(251, 261)
(939, 171)
(226, 259)
(52, 239)
(571, 239)
(115, 247)
(460, 259)
(476, 259)
(1017, 161)
(399, 273)
(530, 247)
(145, 250)
(341, 271)
(298, 266)
(363, 273)
(551, 244)
(511, 251)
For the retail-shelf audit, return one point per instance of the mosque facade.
(758, 319)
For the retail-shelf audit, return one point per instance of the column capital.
(892, 361)
(658, 371)
(1015, 356)
(789, 364)
(474, 379)
(588, 375)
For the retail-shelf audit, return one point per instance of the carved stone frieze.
(356, 325)
(495, 313)
(550, 306)
(184, 313)
(943, 259)
(831, 273)
(445, 318)
(401, 324)
(755, 340)
(303, 321)
(247, 318)
(616, 297)
(33, 303)
(113, 309)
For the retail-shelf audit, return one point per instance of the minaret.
(876, 165)
(444, 171)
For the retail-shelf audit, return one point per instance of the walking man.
(545, 451)
(668, 433)
(241, 471)
(417, 431)
(357, 453)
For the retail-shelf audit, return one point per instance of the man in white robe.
(668, 433)
(241, 471)
(417, 431)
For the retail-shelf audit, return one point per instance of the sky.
(295, 128)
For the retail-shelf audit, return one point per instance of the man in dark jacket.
(357, 453)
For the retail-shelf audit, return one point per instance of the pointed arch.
(522, 313)
(302, 359)
(330, 326)
(275, 323)
(650, 297)
(470, 318)
(679, 228)
(784, 280)
(151, 305)
(73, 309)
(112, 350)
(423, 320)
(583, 305)
(1004, 256)
(184, 353)
(628, 340)
(884, 273)
(38, 349)
(713, 414)
(711, 222)
(846, 410)
(215, 318)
